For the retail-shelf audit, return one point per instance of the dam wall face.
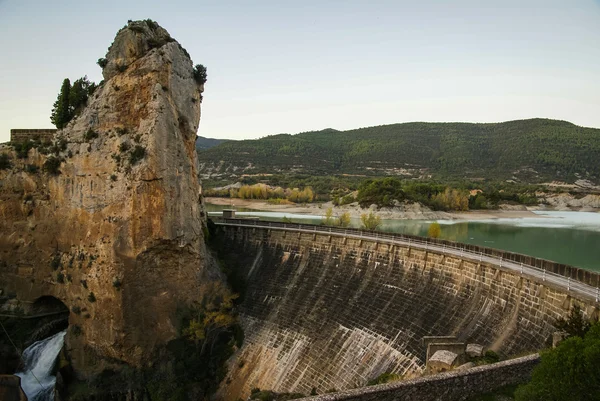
(329, 312)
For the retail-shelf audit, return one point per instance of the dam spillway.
(328, 312)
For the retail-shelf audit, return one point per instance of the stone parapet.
(450, 386)
(23, 135)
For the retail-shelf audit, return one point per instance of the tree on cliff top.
(71, 100)
(60, 110)
(200, 74)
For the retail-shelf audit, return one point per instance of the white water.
(36, 379)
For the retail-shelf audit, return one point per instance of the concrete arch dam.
(332, 310)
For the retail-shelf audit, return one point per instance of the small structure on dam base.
(229, 213)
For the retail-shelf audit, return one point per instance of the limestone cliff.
(117, 234)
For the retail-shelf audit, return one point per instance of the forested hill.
(530, 150)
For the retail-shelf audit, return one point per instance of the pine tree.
(78, 95)
(60, 111)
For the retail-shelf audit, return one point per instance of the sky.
(279, 66)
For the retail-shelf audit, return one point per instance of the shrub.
(121, 68)
(52, 165)
(124, 147)
(370, 221)
(264, 395)
(117, 283)
(200, 74)
(22, 149)
(121, 131)
(83, 283)
(384, 378)
(344, 219)
(137, 154)
(55, 262)
(154, 43)
(347, 199)
(60, 278)
(31, 168)
(91, 297)
(329, 219)
(76, 330)
(575, 324)
(90, 134)
(434, 230)
(113, 177)
(136, 28)
(151, 24)
(490, 357)
(76, 310)
(102, 62)
(4, 161)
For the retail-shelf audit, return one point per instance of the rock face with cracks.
(117, 235)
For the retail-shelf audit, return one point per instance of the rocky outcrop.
(117, 233)
(566, 201)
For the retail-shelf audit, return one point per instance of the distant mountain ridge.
(203, 143)
(533, 150)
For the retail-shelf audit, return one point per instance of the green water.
(566, 237)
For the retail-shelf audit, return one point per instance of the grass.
(279, 201)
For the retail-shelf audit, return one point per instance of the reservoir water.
(566, 237)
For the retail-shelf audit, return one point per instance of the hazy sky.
(289, 66)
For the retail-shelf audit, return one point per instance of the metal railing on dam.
(583, 282)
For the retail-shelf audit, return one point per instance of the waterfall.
(39, 358)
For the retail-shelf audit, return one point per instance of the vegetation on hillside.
(4, 161)
(386, 192)
(460, 196)
(265, 192)
(532, 150)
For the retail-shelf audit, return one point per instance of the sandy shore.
(405, 212)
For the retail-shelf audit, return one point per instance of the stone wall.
(23, 135)
(451, 386)
(329, 312)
